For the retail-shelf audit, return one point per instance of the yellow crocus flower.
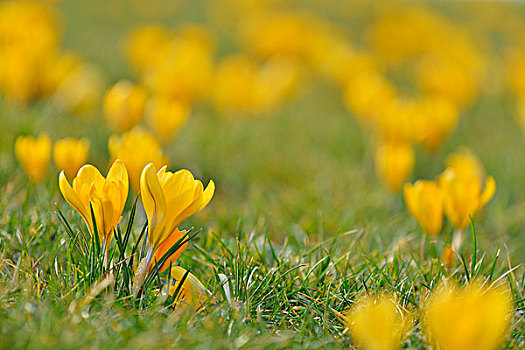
(28, 44)
(284, 34)
(465, 163)
(394, 162)
(136, 148)
(169, 199)
(60, 70)
(443, 74)
(124, 105)
(471, 317)
(464, 196)
(366, 94)
(243, 86)
(70, 154)
(81, 90)
(184, 69)
(378, 323)
(465, 188)
(144, 46)
(34, 155)
(424, 201)
(192, 293)
(106, 196)
(435, 119)
(166, 116)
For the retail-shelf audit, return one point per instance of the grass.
(299, 226)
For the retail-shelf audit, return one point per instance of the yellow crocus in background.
(80, 92)
(378, 323)
(470, 317)
(394, 162)
(70, 154)
(243, 86)
(136, 148)
(169, 199)
(166, 116)
(435, 119)
(144, 46)
(424, 201)
(465, 163)
(28, 43)
(34, 155)
(465, 188)
(106, 196)
(464, 196)
(364, 95)
(124, 105)
(184, 66)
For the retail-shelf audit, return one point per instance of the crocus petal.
(193, 293)
(166, 246)
(89, 174)
(195, 206)
(488, 191)
(73, 199)
(410, 195)
(154, 202)
(207, 194)
(162, 171)
(118, 173)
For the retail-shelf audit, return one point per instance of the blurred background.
(309, 115)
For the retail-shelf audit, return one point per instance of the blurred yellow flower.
(515, 72)
(435, 119)
(395, 121)
(465, 163)
(184, 68)
(124, 105)
(81, 90)
(144, 46)
(241, 85)
(465, 188)
(394, 162)
(192, 293)
(106, 196)
(234, 85)
(424, 201)
(378, 323)
(284, 34)
(166, 116)
(169, 199)
(63, 67)
(34, 155)
(18, 77)
(136, 148)
(446, 75)
(366, 94)
(70, 154)
(471, 317)
(464, 196)
(28, 43)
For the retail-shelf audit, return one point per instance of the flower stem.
(457, 239)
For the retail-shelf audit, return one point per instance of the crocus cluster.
(460, 192)
(32, 65)
(168, 199)
(34, 155)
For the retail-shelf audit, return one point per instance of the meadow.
(303, 225)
